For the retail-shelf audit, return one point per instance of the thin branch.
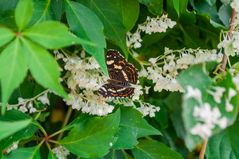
(224, 59)
(203, 149)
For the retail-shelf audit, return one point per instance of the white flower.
(44, 99)
(153, 61)
(229, 106)
(138, 90)
(31, 108)
(23, 108)
(193, 93)
(231, 94)
(146, 89)
(201, 130)
(217, 95)
(223, 122)
(12, 147)
(61, 152)
(235, 5)
(148, 109)
(133, 40)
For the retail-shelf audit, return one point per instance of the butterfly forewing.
(121, 73)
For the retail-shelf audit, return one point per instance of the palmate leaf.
(83, 23)
(8, 128)
(26, 153)
(43, 67)
(23, 13)
(6, 35)
(92, 137)
(52, 35)
(13, 70)
(25, 133)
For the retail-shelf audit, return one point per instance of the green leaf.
(129, 17)
(205, 85)
(26, 153)
(8, 128)
(6, 35)
(92, 137)
(43, 67)
(52, 35)
(225, 144)
(132, 127)
(13, 70)
(110, 13)
(23, 13)
(13, 116)
(176, 4)
(150, 149)
(51, 155)
(82, 22)
(154, 6)
(224, 14)
(211, 2)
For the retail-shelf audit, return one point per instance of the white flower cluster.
(61, 152)
(84, 79)
(89, 102)
(207, 116)
(235, 5)
(148, 109)
(26, 105)
(164, 76)
(151, 25)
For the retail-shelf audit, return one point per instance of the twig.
(203, 149)
(224, 59)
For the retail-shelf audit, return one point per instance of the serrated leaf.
(151, 149)
(43, 67)
(13, 70)
(92, 137)
(26, 153)
(225, 144)
(23, 13)
(110, 13)
(132, 127)
(8, 128)
(82, 22)
(6, 35)
(52, 35)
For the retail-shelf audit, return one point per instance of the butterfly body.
(122, 76)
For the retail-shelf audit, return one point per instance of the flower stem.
(203, 149)
(225, 58)
(67, 118)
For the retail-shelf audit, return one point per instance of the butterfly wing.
(110, 90)
(119, 69)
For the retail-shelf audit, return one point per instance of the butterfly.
(122, 76)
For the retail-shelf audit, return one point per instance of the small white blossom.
(229, 106)
(148, 109)
(217, 95)
(61, 152)
(231, 94)
(44, 99)
(193, 93)
(14, 146)
(138, 90)
(31, 108)
(201, 130)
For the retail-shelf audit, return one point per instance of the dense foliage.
(52, 64)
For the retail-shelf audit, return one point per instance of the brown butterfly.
(122, 76)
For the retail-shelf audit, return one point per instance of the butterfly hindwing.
(110, 90)
(121, 73)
